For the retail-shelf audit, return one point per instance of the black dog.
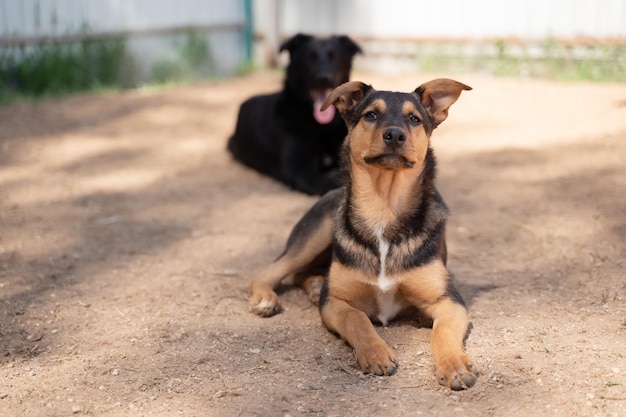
(286, 135)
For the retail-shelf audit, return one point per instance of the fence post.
(248, 30)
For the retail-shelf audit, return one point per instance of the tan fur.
(264, 300)
(439, 95)
(424, 286)
(374, 278)
(380, 201)
(354, 287)
(344, 96)
(452, 364)
(381, 195)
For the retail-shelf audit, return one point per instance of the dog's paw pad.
(461, 382)
(313, 290)
(460, 379)
(388, 368)
(265, 308)
(378, 361)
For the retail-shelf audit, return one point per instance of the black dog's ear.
(349, 45)
(347, 95)
(294, 43)
(438, 95)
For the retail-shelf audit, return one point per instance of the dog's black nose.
(394, 137)
(324, 80)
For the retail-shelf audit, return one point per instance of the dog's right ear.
(347, 95)
(294, 43)
(438, 95)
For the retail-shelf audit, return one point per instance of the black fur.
(354, 114)
(367, 228)
(425, 225)
(277, 135)
(356, 248)
(305, 227)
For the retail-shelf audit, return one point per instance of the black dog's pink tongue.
(326, 116)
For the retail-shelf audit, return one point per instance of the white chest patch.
(388, 307)
(384, 283)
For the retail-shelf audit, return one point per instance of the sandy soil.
(127, 236)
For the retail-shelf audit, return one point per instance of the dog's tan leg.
(264, 301)
(431, 291)
(372, 353)
(453, 367)
(309, 241)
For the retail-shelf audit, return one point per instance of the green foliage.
(61, 68)
(195, 49)
(166, 71)
(603, 63)
(245, 68)
(193, 61)
(52, 68)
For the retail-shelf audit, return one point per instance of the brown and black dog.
(379, 242)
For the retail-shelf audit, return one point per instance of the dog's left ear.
(438, 95)
(349, 45)
(295, 42)
(346, 95)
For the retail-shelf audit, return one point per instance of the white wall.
(146, 21)
(274, 20)
(58, 17)
(477, 19)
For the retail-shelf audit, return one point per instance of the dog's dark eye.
(370, 116)
(330, 55)
(414, 119)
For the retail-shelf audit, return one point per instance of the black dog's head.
(316, 67)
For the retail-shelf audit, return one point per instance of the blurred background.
(59, 46)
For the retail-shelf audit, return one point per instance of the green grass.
(56, 69)
(548, 60)
(193, 61)
(53, 69)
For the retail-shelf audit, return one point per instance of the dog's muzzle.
(393, 157)
(389, 161)
(394, 137)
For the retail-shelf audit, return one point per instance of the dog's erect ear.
(347, 95)
(294, 43)
(349, 45)
(438, 95)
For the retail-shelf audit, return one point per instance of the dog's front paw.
(265, 303)
(377, 359)
(457, 373)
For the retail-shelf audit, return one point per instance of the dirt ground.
(127, 236)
